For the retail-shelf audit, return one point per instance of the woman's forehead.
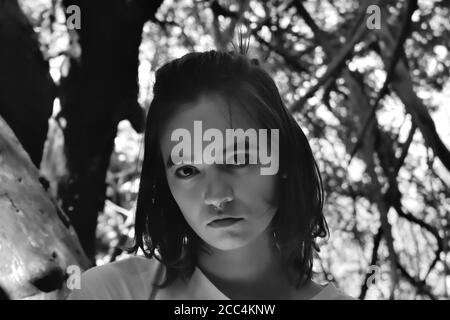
(213, 111)
(207, 112)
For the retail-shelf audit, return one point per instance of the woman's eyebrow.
(170, 163)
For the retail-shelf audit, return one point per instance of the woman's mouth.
(226, 222)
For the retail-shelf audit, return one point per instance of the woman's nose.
(218, 203)
(218, 193)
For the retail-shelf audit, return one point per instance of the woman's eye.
(186, 172)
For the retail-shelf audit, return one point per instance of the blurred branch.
(405, 148)
(128, 214)
(373, 262)
(301, 10)
(218, 10)
(223, 38)
(336, 64)
(290, 60)
(408, 216)
(422, 287)
(390, 165)
(392, 197)
(164, 23)
(405, 29)
(386, 226)
(358, 102)
(123, 232)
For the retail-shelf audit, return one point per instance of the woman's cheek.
(186, 194)
(261, 188)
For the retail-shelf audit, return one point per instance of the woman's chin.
(227, 244)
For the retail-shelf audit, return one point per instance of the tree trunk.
(37, 242)
(100, 90)
(26, 88)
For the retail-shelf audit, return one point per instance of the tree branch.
(224, 37)
(422, 287)
(290, 60)
(335, 65)
(401, 158)
(405, 28)
(376, 243)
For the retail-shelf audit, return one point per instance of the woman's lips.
(221, 223)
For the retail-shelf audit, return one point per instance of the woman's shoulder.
(331, 292)
(135, 265)
(129, 278)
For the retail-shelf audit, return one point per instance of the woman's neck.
(253, 272)
(255, 267)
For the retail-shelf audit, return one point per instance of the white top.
(133, 279)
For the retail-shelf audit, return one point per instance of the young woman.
(230, 200)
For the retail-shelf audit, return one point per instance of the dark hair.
(160, 224)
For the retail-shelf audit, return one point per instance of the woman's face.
(249, 199)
